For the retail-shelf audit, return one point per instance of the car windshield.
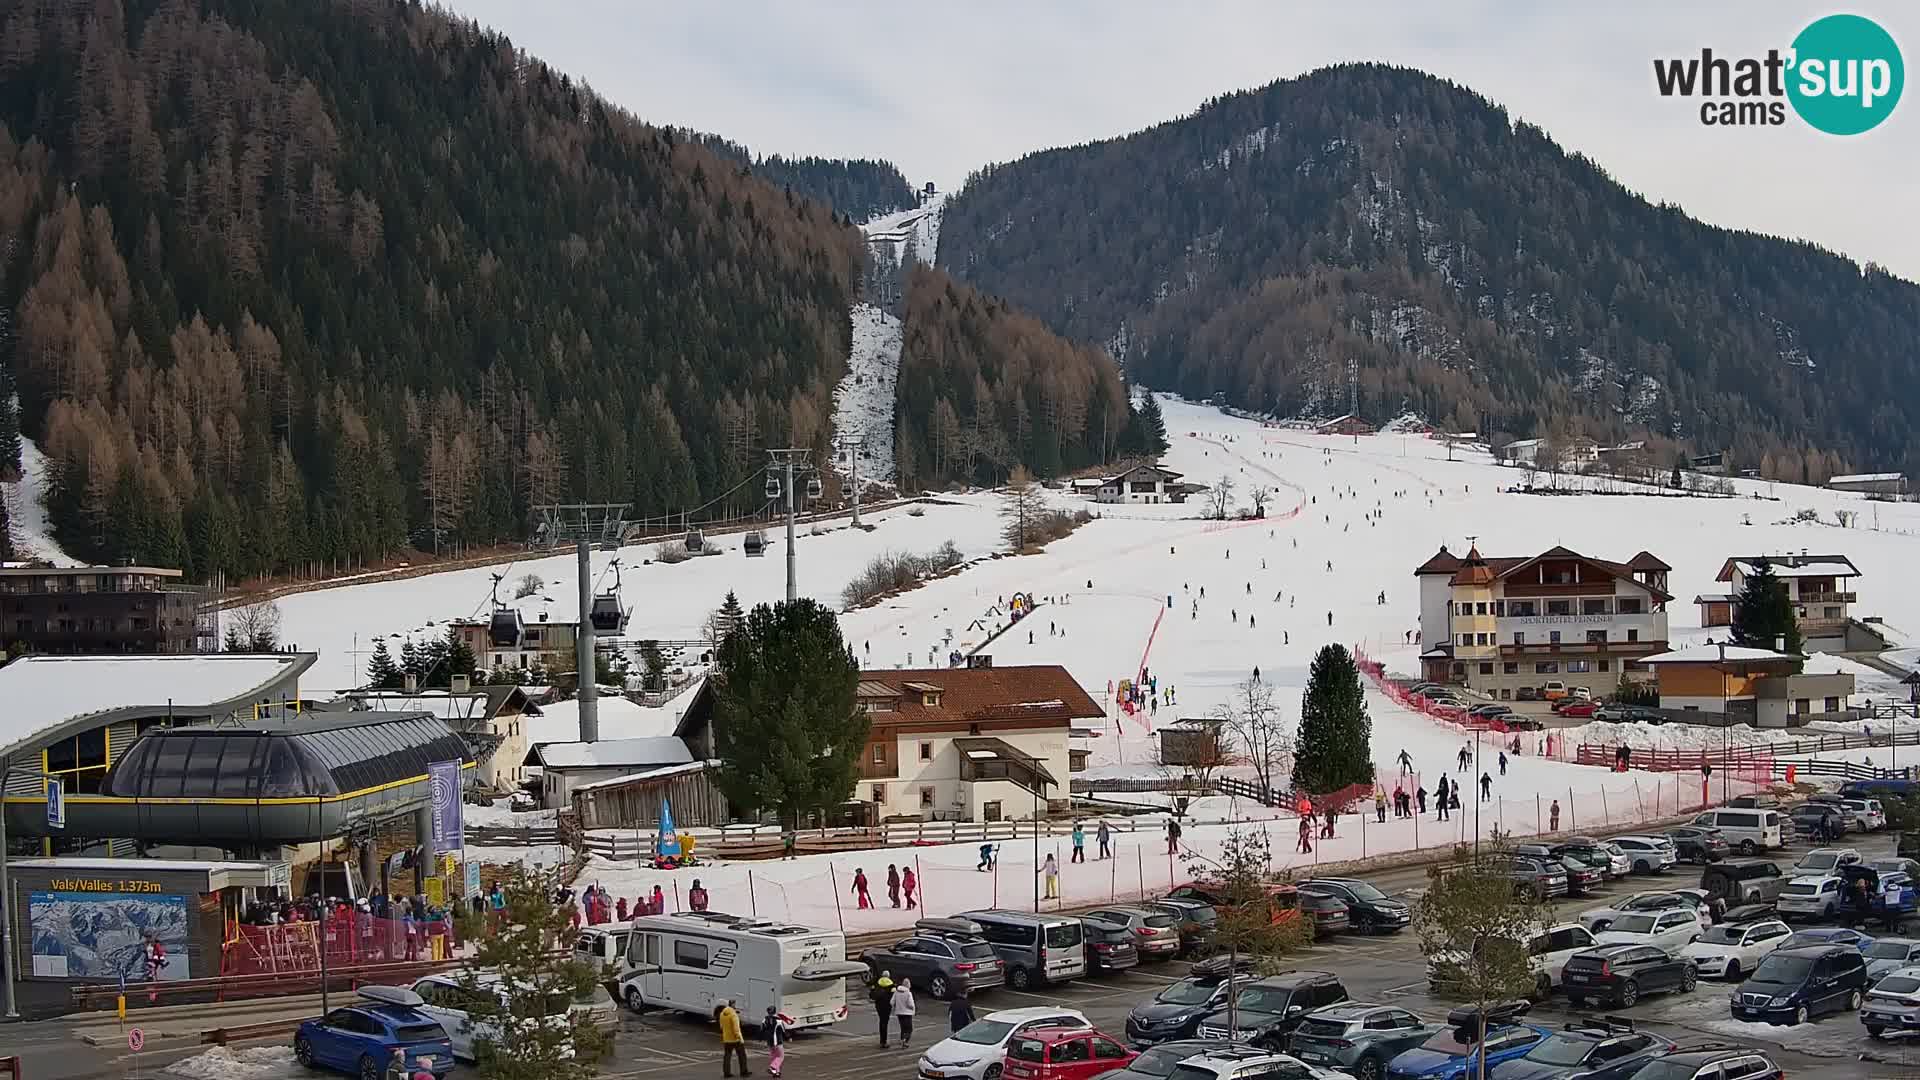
(1160, 1060)
(984, 1032)
(1189, 992)
(1158, 922)
(1267, 999)
(1817, 860)
(1448, 1041)
(1561, 1050)
(1723, 935)
(1365, 891)
(1887, 950)
(1633, 924)
(1897, 984)
(1782, 969)
(419, 1033)
(977, 950)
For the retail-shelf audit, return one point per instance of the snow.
(650, 774)
(1103, 612)
(42, 691)
(27, 510)
(614, 753)
(619, 719)
(1712, 654)
(1866, 478)
(246, 1063)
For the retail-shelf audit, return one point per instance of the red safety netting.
(351, 939)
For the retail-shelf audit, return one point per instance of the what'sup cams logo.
(1842, 75)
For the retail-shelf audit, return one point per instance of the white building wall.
(1435, 597)
(941, 771)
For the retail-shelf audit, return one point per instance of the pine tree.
(412, 662)
(1153, 427)
(519, 966)
(785, 725)
(1335, 742)
(1764, 613)
(382, 672)
(459, 659)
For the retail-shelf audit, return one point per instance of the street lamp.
(1726, 752)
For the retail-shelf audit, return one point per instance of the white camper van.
(692, 961)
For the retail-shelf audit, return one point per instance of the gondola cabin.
(695, 540)
(607, 615)
(755, 544)
(506, 628)
(815, 489)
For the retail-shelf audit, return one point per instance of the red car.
(1576, 707)
(1059, 1053)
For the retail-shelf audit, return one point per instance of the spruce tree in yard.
(1764, 612)
(1334, 748)
(1153, 426)
(524, 974)
(785, 724)
(382, 672)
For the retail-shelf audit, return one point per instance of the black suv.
(1266, 1012)
(1589, 1049)
(1709, 1061)
(1792, 986)
(1621, 973)
(1368, 909)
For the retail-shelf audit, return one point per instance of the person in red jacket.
(860, 888)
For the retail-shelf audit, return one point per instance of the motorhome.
(694, 961)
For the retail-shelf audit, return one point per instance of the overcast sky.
(941, 89)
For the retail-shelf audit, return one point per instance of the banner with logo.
(448, 832)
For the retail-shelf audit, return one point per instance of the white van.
(694, 961)
(1746, 831)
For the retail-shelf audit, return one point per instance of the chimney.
(1779, 643)
(411, 683)
(460, 684)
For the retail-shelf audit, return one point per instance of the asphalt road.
(1386, 969)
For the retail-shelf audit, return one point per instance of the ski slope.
(27, 510)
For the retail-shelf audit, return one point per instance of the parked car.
(1796, 984)
(1697, 845)
(1909, 867)
(452, 1001)
(1584, 1048)
(1597, 855)
(1818, 822)
(1537, 877)
(1630, 714)
(1670, 930)
(1621, 972)
(1109, 945)
(1824, 860)
(1888, 954)
(1581, 878)
(1577, 708)
(1554, 690)
(1707, 1062)
(361, 1038)
(1547, 955)
(1249, 1063)
(1649, 854)
(1328, 912)
(1358, 1038)
(1730, 951)
(946, 956)
(1193, 920)
(1368, 909)
(1456, 1051)
(1176, 1011)
(1156, 931)
(1810, 896)
(1739, 882)
(1892, 1003)
(1870, 814)
(1266, 1012)
(1640, 903)
(1527, 693)
(1829, 935)
(1489, 711)
(1156, 1061)
(1064, 1053)
(977, 1051)
(1750, 830)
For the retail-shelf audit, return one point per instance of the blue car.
(1828, 935)
(360, 1039)
(1452, 1054)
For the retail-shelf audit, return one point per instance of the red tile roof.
(1043, 693)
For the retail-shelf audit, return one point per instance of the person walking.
(775, 1034)
(1173, 837)
(1380, 804)
(1104, 837)
(732, 1045)
(860, 889)
(1503, 763)
(1050, 875)
(1421, 796)
(907, 884)
(1486, 788)
(1079, 842)
(959, 1011)
(882, 997)
(1553, 816)
(893, 884)
(787, 840)
(396, 1066)
(903, 1009)
(1442, 799)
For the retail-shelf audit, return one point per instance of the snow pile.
(1406, 424)
(27, 510)
(247, 1063)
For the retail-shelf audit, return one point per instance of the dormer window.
(931, 700)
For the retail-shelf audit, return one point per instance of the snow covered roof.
(610, 753)
(1866, 478)
(1790, 565)
(478, 704)
(662, 773)
(1711, 654)
(46, 693)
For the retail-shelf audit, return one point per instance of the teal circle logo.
(1847, 74)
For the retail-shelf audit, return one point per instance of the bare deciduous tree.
(253, 627)
(1259, 495)
(1021, 504)
(1262, 737)
(1220, 499)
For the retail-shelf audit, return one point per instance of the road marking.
(1410, 988)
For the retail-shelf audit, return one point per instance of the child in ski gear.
(1050, 872)
(775, 1034)
(696, 896)
(1104, 836)
(907, 884)
(1079, 842)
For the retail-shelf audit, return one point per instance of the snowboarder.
(1029, 637)
(1050, 875)
(1236, 615)
(1256, 668)
(1286, 638)
(907, 884)
(1329, 618)
(1079, 842)
(893, 884)
(1462, 757)
(1104, 837)
(1250, 620)
(860, 889)
(1406, 763)
(986, 858)
(1420, 795)
(1553, 816)
(1486, 788)
(1249, 588)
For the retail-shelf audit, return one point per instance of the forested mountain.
(858, 189)
(1472, 270)
(310, 281)
(984, 387)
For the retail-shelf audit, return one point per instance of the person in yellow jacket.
(731, 1042)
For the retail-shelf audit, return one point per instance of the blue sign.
(443, 777)
(669, 843)
(56, 804)
(473, 877)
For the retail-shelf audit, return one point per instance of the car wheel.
(992, 1073)
(1019, 978)
(869, 975)
(369, 1068)
(1800, 1015)
(1688, 980)
(1746, 847)
(1629, 993)
(634, 1004)
(303, 1051)
(1641, 866)
(937, 986)
(1874, 1030)
(1367, 1068)
(1853, 1001)
(1733, 971)
(1542, 987)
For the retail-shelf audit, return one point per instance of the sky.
(943, 89)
